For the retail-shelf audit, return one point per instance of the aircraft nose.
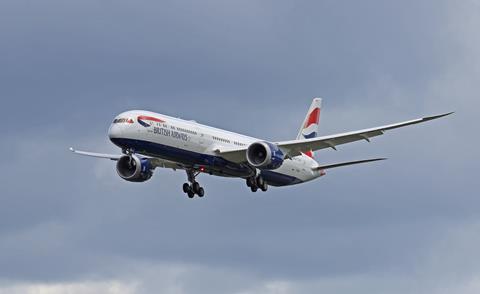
(115, 131)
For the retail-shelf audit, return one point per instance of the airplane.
(150, 140)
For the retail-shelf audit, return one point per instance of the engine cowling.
(265, 155)
(134, 169)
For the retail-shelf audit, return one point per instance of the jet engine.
(265, 155)
(134, 169)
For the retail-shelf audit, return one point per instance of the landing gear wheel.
(251, 182)
(193, 187)
(260, 181)
(264, 187)
(196, 187)
(186, 188)
(254, 189)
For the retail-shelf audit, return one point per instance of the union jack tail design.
(310, 125)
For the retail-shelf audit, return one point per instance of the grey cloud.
(70, 67)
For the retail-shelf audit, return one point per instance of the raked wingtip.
(438, 116)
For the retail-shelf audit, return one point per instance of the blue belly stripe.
(193, 158)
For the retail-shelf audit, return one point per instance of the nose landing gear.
(194, 187)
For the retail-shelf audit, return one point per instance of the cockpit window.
(123, 121)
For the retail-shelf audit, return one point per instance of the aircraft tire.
(196, 187)
(260, 181)
(201, 192)
(190, 194)
(186, 188)
(264, 187)
(251, 182)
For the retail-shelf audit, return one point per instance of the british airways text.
(170, 133)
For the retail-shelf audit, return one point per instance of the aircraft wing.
(297, 147)
(154, 161)
(97, 155)
(238, 155)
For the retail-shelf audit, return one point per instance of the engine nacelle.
(265, 155)
(134, 169)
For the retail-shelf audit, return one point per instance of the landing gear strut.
(194, 187)
(128, 151)
(257, 182)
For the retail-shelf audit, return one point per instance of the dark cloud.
(68, 67)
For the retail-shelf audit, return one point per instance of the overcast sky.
(406, 225)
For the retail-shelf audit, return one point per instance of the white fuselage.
(193, 145)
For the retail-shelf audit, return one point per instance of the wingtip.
(439, 116)
(376, 159)
(447, 114)
(71, 149)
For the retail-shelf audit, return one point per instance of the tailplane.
(310, 125)
(330, 166)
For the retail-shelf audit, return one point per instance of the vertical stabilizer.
(310, 125)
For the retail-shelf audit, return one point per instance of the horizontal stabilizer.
(347, 163)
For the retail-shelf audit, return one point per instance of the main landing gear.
(256, 183)
(194, 187)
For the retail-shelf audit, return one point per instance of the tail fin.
(309, 128)
(310, 125)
